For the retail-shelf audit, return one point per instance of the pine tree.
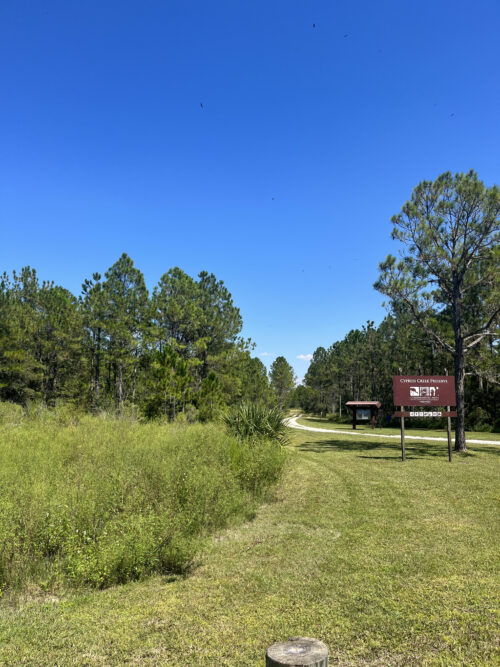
(282, 379)
(126, 321)
(449, 231)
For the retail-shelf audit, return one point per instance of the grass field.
(389, 563)
(318, 422)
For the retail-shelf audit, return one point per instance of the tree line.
(361, 366)
(177, 349)
(444, 307)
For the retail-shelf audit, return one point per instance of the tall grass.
(101, 502)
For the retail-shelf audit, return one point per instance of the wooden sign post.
(425, 391)
(402, 420)
(403, 449)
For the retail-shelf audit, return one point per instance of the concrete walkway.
(292, 423)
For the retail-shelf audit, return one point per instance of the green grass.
(319, 422)
(389, 563)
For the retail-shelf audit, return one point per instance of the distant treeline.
(176, 349)
(361, 366)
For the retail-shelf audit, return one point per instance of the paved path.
(292, 423)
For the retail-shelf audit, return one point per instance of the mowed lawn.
(389, 563)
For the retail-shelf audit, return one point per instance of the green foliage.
(168, 385)
(40, 340)
(115, 347)
(478, 419)
(251, 420)
(176, 311)
(282, 380)
(209, 398)
(258, 464)
(105, 501)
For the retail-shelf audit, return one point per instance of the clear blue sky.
(283, 184)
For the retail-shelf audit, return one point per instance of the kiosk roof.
(364, 404)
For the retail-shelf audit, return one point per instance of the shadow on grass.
(414, 449)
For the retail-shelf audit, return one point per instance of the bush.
(251, 420)
(345, 418)
(107, 501)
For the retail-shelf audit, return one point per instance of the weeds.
(102, 502)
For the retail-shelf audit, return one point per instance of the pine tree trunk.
(98, 368)
(54, 381)
(460, 445)
(120, 385)
(134, 380)
(92, 378)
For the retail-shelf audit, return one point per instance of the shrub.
(346, 418)
(251, 420)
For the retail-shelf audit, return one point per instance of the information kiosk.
(363, 411)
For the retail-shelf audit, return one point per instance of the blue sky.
(282, 184)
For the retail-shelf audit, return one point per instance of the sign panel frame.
(430, 391)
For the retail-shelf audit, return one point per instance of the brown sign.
(424, 390)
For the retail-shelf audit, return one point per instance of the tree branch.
(484, 327)
(428, 330)
(479, 339)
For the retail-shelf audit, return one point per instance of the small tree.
(448, 277)
(282, 379)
